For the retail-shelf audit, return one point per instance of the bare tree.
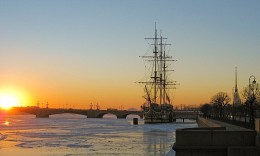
(251, 96)
(219, 101)
(247, 96)
(206, 109)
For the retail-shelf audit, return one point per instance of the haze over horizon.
(73, 53)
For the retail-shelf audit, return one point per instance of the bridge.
(90, 113)
(187, 114)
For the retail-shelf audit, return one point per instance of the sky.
(74, 53)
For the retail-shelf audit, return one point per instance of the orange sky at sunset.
(71, 54)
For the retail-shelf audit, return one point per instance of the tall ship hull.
(158, 107)
(157, 114)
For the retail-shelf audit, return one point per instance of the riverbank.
(216, 138)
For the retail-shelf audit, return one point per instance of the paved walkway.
(230, 127)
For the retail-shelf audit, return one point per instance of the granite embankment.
(215, 138)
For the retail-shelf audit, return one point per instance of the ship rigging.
(158, 107)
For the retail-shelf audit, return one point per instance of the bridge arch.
(101, 115)
(67, 115)
(110, 116)
(131, 115)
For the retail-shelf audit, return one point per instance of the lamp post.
(233, 107)
(252, 88)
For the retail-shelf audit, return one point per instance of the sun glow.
(8, 101)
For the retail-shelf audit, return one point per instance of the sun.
(8, 101)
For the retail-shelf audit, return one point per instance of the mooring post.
(135, 121)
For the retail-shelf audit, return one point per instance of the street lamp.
(252, 88)
(233, 107)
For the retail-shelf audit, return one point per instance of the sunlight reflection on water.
(6, 123)
(68, 134)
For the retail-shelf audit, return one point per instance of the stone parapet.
(216, 139)
(257, 128)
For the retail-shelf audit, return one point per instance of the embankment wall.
(212, 139)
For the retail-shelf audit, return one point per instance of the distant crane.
(97, 106)
(47, 105)
(38, 104)
(91, 106)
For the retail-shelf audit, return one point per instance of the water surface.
(69, 135)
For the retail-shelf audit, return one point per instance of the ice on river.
(68, 134)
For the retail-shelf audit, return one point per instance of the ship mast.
(164, 78)
(155, 64)
(158, 79)
(161, 72)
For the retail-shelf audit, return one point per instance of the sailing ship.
(158, 107)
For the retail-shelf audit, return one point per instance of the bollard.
(135, 121)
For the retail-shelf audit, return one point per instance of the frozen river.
(68, 135)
